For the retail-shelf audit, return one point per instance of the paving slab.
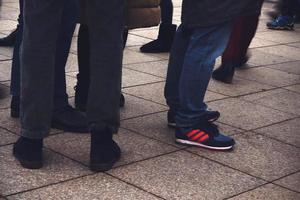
(247, 115)
(134, 147)
(259, 58)
(292, 182)
(289, 67)
(182, 175)
(133, 78)
(13, 124)
(99, 186)
(162, 56)
(16, 179)
(5, 72)
(296, 44)
(131, 57)
(7, 25)
(279, 99)
(5, 96)
(157, 68)
(135, 107)
(7, 137)
(258, 155)
(283, 50)
(294, 88)
(136, 40)
(287, 131)
(269, 191)
(238, 87)
(155, 126)
(280, 36)
(269, 76)
(257, 42)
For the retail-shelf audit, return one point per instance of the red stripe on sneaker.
(192, 133)
(197, 136)
(203, 138)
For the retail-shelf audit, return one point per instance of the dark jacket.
(202, 13)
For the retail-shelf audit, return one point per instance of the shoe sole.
(28, 164)
(190, 143)
(103, 167)
(281, 28)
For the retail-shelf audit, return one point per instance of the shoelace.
(208, 127)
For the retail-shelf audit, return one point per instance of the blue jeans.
(190, 67)
(64, 39)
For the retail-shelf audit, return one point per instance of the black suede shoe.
(104, 153)
(70, 119)
(164, 41)
(9, 41)
(29, 152)
(224, 73)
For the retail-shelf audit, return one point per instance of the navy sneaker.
(210, 116)
(206, 135)
(282, 22)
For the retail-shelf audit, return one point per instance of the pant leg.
(243, 31)
(205, 45)
(289, 7)
(105, 22)
(64, 40)
(42, 20)
(166, 7)
(176, 60)
(15, 68)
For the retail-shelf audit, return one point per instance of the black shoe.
(242, 62)
(69, 119)
(209, 116)
(104, 152)
(29, 152)
(224, 73)
(164, 41)
(15, 107)
(9, 41)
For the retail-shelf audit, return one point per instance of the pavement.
(260, 110)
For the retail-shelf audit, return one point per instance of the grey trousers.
(42, 20)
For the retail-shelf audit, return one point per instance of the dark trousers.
(42, 22)
(243, 31)
(166, 7)
(64, 39)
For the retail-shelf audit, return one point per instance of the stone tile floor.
(261, 110)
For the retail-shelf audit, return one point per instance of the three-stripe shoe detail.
(197, 135)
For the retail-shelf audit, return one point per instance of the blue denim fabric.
(67, 27)
(190, 67)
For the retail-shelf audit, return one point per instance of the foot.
(282, 22)
(104, 153)
(206, 135)
(9, 41)
(224, 73)
(209, 115)
(29, 152)
(164, 41)
(69, 119)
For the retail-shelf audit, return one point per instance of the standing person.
(42, 20)
(64, 117)
(166, 33)
(288, 11)
(200, 39)
(235, 55)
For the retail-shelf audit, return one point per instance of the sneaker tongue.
(208, 127)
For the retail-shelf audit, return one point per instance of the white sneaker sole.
(186, 142)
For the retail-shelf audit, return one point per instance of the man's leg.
(41, 26)
(205, 45)
(105, 21)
